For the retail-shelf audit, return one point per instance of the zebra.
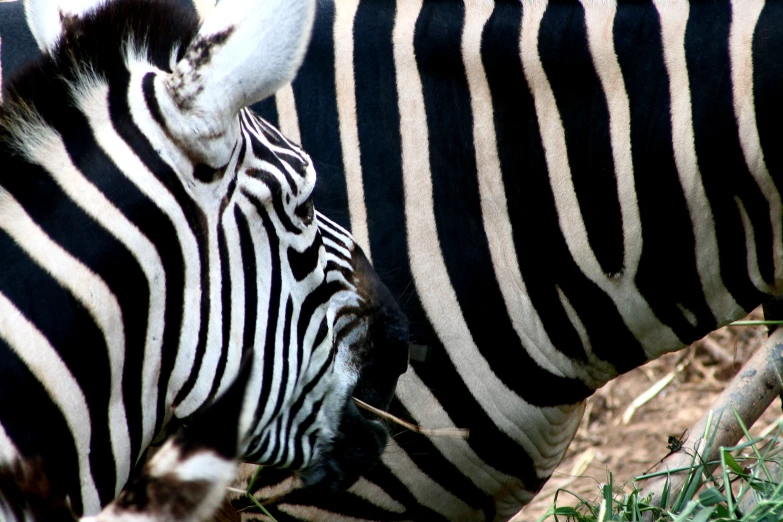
(165, 276)
(558, 192)
(555, 193)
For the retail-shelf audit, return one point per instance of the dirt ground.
(605, 443)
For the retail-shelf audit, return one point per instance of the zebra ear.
(45, 18)
(244, 51)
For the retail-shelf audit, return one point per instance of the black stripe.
(148, 88)
(722, 164)
(18, 47)
(314, 299)
(316, 100)
(273, 272)
(320, 336)
(327, 234)
(287, 362)
(546, 263)
(384, 196)
(296, 407)
(305, 263)
(378, 122)
(264, 153)
(132, 135)
(267, 109)
(87, 241)
(43, 433)
(195, 216)
(669, 283)
(767, 86)
(442, 471)
(251, 282)
(227, 310)
(299, 439)
(269, 442)
(72, 331)
(568, 64)
(276, 190)
(457, 208)
(158, 228)
(197, 221)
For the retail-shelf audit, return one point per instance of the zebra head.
(181, 227)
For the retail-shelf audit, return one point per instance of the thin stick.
(651, 392)
(755, 323)
(460, 433)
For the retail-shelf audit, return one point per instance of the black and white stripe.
(557, 193)
(163, 267)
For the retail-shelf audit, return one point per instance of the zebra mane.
(96, 46)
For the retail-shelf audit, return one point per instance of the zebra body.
(557, 193)
(164, 270)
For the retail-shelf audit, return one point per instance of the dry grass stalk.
(460, 433)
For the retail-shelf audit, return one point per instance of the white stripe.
(287, 119)
(334, 229)
(338, 248)
(553, 140)
(512, 415)
(309, 513)
(424, 489)
(138, 173)
(345, 12)
(744, 16)
(494, 207)
(204, 8)
(87, 288)
(427, 411)
(750, 241)
(94, 103)
(214, 346)
(262, 254)
(655, 337)
(43, 361)
(674, 18)
(8, 451)
(376, 495)
(599, 19)
(237, 327)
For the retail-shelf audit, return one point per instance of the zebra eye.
(306, 211)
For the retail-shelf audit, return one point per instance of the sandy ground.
(605, 443)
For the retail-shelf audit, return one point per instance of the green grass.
(745, 486)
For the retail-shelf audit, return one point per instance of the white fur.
(44, 17)
(265, 45)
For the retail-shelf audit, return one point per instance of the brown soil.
(605, 443)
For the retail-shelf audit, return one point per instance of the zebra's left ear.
(45, 18)
(244, 51)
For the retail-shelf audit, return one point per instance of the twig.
(651, 392)
(460, 433)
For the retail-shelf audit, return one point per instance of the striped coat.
(556, 193)
(165, 275)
